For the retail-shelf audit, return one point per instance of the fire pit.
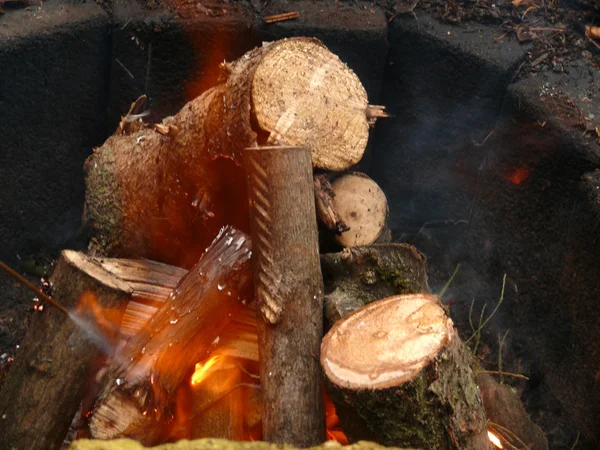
(488, 166)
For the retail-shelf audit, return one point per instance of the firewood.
(217, 403)
(325, 205)
(162, 192)
(141, 383)
(357, 276)
(504, 409)
(399, 373)
(362, 206)
(288, 292)
(47, 381)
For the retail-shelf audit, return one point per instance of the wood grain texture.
(49, 377)
(289, 292)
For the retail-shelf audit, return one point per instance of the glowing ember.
(202, 370)
(519, 175)
(494, 439)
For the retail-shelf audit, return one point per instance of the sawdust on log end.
(303, 94)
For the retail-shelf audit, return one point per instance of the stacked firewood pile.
(224, 336)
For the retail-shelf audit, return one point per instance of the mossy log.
(162, 193)
(399, 374)
(216, 444)
(357, 276)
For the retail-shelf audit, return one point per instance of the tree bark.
(357, 276)
(47, 381)
(289, 293)
(142, 381)
(399, 373)
(162, 193)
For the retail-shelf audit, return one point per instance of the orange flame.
(494, 439)
(108, 320)
(203, 370)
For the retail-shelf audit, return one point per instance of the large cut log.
(357, 276)
(142, 381)
(162, 193)
(398, 373)
(50, 375)
(288, 292)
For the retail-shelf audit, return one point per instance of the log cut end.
(362, 205)
(387, 343)
(303, 94)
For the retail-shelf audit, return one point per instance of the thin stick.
(33, 288)
(493, 312)
(508, 374)
(449, 281)
(499, 428)
(281, 17)
(500, 348)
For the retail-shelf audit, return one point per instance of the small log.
(399, 373)
(141, 383)
(362, 206)
(503, 407)
(289, 293)
(163, 192)
(357, 276)
(48, 379)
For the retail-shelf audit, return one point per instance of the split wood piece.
(325, 205)
(504, 407)
(357, 276)
(49, 377)
(362, 206)
(289, 293)
(141, 383)
(399, 373)
(162, 197)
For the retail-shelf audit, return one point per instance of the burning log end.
(137, 397)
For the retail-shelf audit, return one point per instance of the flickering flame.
(494, 439)
(203, 370)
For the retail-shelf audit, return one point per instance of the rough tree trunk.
(288, 292)
(162, 193)
(145, 375)
(357, 276)
(50, 375)
(399, 374)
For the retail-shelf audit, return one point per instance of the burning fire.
(203, 370)
(494, 439)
